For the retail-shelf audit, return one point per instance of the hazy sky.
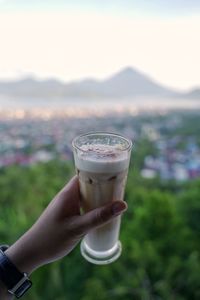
(69, 40)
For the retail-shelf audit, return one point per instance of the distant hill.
(126, 83)
(193, 94)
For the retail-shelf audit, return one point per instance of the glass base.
(101, 257)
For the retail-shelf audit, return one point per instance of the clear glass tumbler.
(102, 162)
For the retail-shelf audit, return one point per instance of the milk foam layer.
(102, 158)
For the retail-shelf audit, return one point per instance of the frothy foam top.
(102, 158)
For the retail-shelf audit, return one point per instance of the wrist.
(22, 255)
(17, 258)
(17, 283)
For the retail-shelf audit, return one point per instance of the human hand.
(59, 229)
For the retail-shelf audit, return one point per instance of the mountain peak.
(129, 74)
(128, 70)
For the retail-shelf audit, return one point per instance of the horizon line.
(43, 78)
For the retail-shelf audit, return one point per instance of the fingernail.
(118, 207)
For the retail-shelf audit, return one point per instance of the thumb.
(100, 215)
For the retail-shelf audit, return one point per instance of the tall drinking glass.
(102, 162)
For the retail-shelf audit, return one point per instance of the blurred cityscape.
(176, 157)
(27, 140)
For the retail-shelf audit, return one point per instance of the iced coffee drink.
(102, 162)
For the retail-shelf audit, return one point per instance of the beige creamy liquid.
(98, 189)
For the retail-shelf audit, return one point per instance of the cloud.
(132, 7)
(74, 45)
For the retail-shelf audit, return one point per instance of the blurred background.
(129, 67)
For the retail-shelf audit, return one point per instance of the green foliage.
(160, 237)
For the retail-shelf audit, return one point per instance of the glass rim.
(130, 144)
